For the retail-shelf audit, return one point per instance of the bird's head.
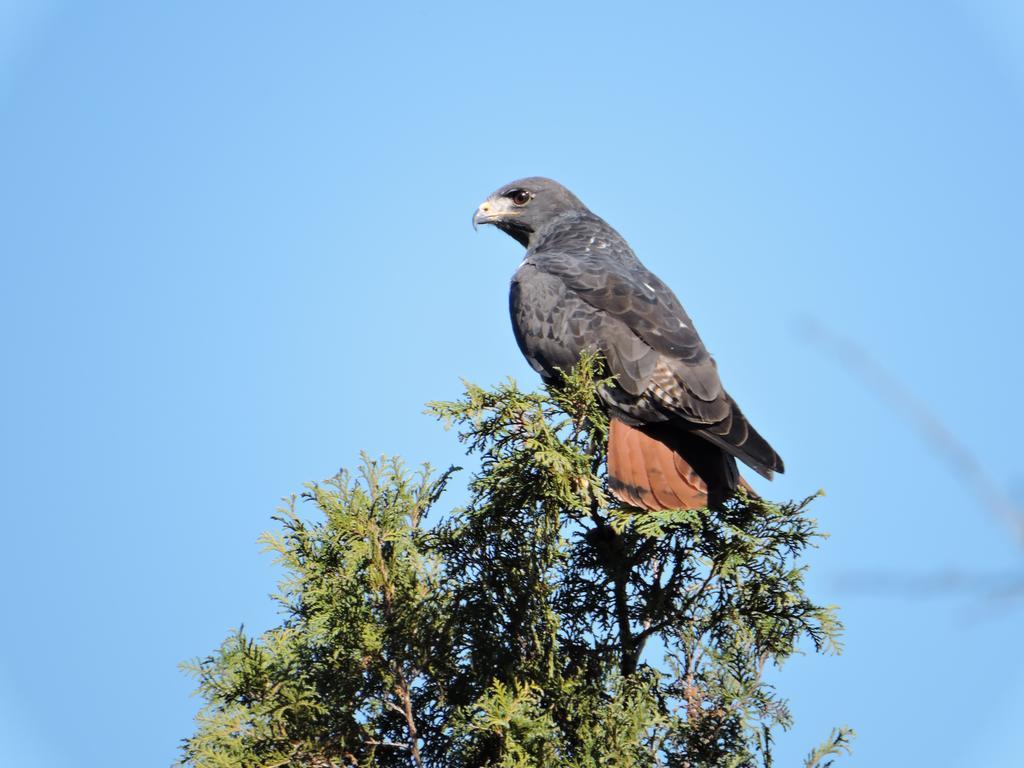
(521, 208)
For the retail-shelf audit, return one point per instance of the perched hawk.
(675, 433)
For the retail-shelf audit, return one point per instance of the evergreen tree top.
(544, 624)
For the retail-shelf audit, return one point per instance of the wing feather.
(583, 288)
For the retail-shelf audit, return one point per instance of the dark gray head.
(521, 208)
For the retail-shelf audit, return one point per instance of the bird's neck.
(556, 228)
(519, 234)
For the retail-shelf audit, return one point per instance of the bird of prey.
(674, 432)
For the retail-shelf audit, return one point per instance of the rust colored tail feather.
(647, 468)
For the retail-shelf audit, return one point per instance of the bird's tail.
(657, 467)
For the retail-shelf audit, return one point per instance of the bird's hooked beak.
(493, 210)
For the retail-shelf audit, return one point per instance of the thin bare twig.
(401, 690)
(618, 568)
(857, 360)
(994, 585)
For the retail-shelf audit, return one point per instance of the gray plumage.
(581, 287)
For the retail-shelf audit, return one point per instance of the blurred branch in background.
(939, 583)
(936, 435)
(945, 583)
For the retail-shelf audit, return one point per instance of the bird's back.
(581, 287)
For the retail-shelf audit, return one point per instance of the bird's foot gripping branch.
(543, 624)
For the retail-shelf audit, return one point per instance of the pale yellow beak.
(492, 211)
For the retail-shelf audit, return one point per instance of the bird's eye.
(520, 196)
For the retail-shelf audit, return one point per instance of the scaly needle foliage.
(543, 624)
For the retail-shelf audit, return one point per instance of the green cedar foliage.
(544, 624)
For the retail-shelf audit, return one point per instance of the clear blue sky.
(236, 249)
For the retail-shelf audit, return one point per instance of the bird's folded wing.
(637, 314)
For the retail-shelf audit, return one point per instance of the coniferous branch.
(518, 630)
(836, 744)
